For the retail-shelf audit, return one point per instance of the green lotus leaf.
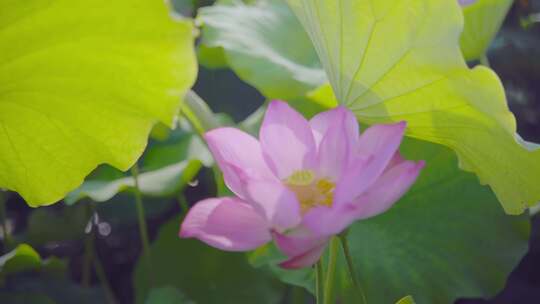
(400, 60)
(21, 259)
(429, 244)
(82, 83)
(25, 260)
(483, 19)
(264, 44)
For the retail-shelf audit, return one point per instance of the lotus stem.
(143, 229)
(331, 272)
(350, 266)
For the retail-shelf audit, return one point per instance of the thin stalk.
(484, 60)
(6, 237)
(331, 272)
(199, 113)
(184, 206)
(88, 248)
(91, 260)
(87, 260)
(102, 277)
(143, 229)
(350, 266)
(193, 121)
(201, 117)
(221, 188)
(319, 278)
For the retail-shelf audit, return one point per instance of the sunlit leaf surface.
(483, 19)
(82, 83)
(400, 60)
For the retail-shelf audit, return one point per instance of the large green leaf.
(482, 21)
(393, 60)
(202, 273)
(264, 44)
(21, 259)
(445, 239)
(24, 259)
(82, 83)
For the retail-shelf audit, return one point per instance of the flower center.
(311, 191)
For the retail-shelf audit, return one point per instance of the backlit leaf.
(483, 19)
(390, 61)
(82, 83)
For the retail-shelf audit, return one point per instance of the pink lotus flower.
(301, 183)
